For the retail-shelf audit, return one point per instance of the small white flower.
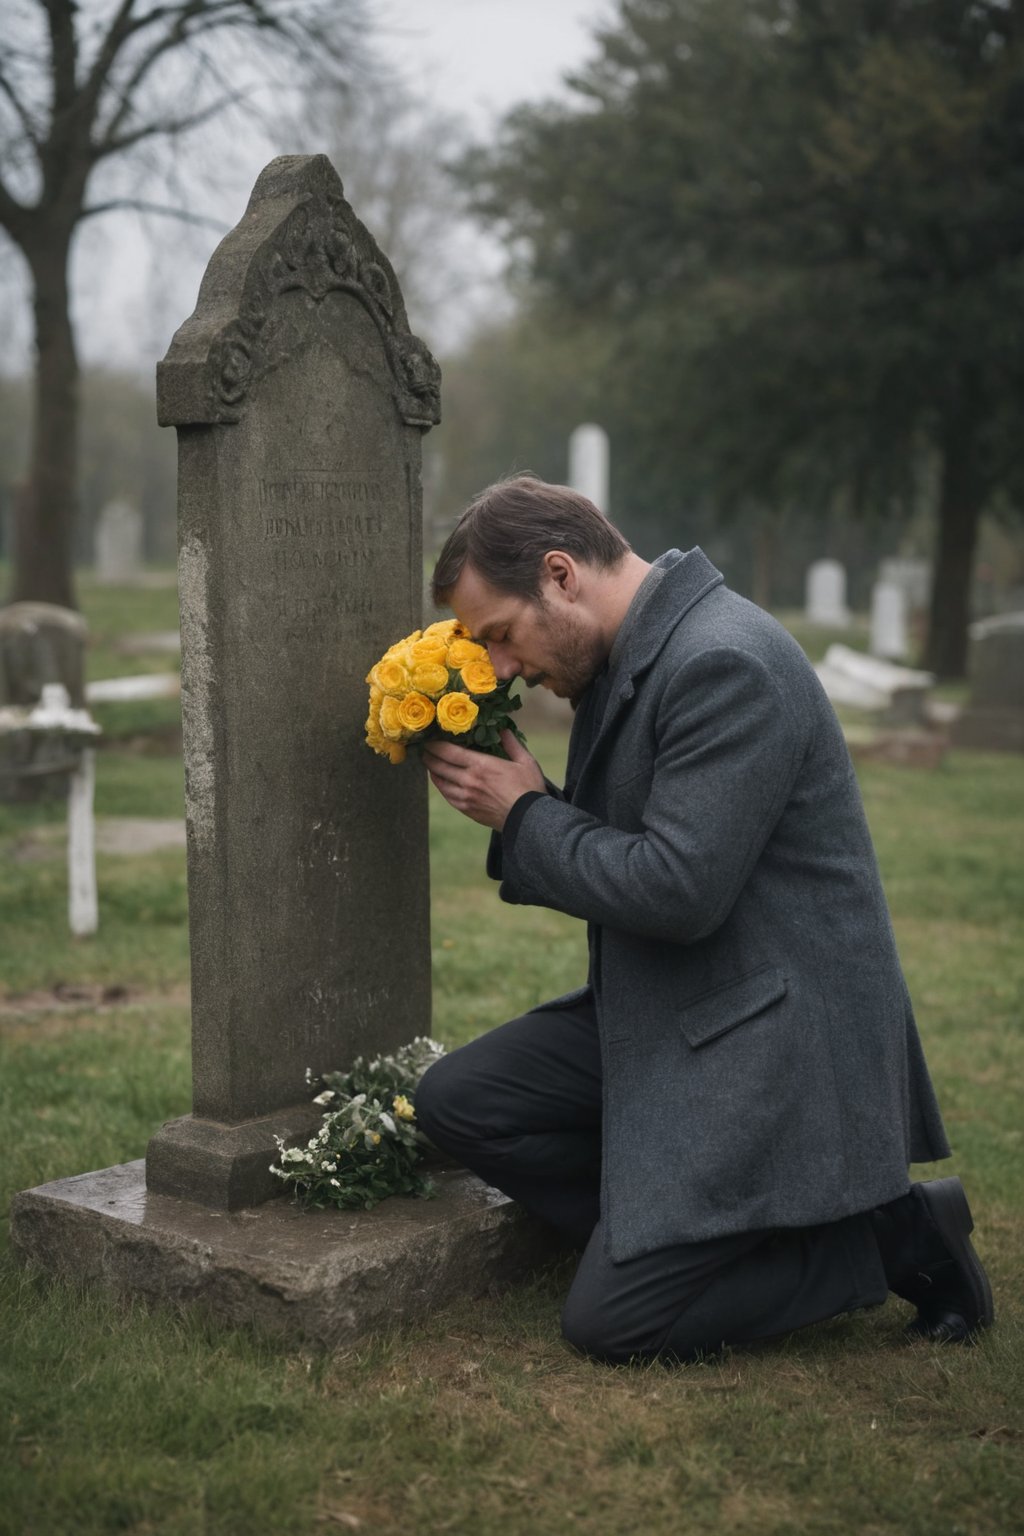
(335, 1183)
(327, 1097)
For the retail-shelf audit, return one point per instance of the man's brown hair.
(506, 531)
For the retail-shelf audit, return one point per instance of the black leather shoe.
(949, 1286)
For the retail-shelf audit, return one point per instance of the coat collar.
(688, 577)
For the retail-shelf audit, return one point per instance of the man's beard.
(578, 656)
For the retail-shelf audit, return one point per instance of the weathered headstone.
(888, 621)
(994, 716)
(118, 543)
(588, 463)
(826, 595)
(41, 644)
(300, 397)
(869, 682)
(913, 575)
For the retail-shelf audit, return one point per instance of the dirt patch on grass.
(122, 835)
(66, 1000)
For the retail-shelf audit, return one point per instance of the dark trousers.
(521, 1107)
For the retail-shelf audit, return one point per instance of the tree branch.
(64, 54)
(21, 111)
(14, 217)
(214, 14)
(168, 126)
(140, 205)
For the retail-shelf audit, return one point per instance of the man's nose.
(502, 660)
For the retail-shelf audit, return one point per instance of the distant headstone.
(118, 543)
(300, 396)
(888, 621)
(869, 682)
(588, 463)
(826, 595)
(41, 645)
(912, 575)
(994, 716)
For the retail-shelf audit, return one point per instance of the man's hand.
(483, 788)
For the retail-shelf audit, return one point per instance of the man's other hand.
(483, 788)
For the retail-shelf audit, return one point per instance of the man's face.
(545, 641)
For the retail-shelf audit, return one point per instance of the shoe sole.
(946, 1203)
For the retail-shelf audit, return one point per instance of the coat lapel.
(689, 577)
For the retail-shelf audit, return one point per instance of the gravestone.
(913, 575)
(826, 595)
(993, 718)
(300, 397)
(41, 644)
(888, 621)
(118, 543)
(588, 464)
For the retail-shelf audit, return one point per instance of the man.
(723, 1118)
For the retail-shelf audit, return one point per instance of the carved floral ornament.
(316, 253)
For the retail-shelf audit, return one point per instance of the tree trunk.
(766, 541)
(45, 512)
(960, 505)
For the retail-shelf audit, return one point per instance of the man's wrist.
(517, 811)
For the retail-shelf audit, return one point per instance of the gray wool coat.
(762, 1067)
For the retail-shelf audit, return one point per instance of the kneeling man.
(724, 1116)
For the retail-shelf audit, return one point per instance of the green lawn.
(116, 1418)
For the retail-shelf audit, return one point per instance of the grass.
(117, 1418)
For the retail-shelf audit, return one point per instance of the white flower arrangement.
(367, 1146)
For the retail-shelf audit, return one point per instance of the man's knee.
(431, 1096)
(616, 1336)
(593, 1333)
(445, 1098)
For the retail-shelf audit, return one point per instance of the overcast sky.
(472, 58)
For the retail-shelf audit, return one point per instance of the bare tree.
(84, 89)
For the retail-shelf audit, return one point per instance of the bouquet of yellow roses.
(437, 682)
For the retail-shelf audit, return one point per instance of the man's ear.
(563, 572)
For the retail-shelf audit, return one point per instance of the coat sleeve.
(495, 859)
(727, 754)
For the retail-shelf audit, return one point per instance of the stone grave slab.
(322, 1277)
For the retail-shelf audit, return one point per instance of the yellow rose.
(402, 1108)
(478, 676)
(429, 677)
(391, 718)
(396, 751)
(462, 651)
(432, 648)
(456, 713)
(390, 676)
(448, 629)
(415, 712)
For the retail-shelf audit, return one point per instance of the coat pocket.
(714, 1013)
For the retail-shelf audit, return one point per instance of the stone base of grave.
(990, 729)
(320, 1277)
